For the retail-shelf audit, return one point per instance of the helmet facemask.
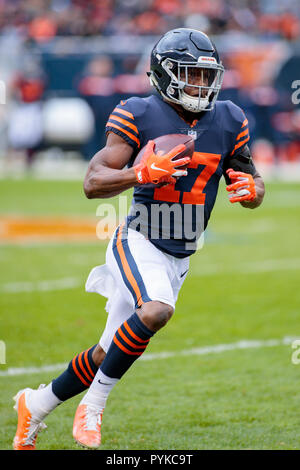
(193, 85)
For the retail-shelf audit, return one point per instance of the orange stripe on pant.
(126, 267)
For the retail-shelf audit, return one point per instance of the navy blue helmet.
(186, 69)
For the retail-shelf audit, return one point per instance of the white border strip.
(215, 349)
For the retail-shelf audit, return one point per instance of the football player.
(144, 270)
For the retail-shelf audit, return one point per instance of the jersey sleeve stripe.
(129, 134)
(237, 146)
(123, 121)
(241, 134)
(245, 122)
(124, 112)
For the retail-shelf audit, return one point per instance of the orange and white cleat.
(28, 424)
(87, 426)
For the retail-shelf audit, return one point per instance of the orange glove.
(243, 186)
(160, 168)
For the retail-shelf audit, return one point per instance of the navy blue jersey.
(218, 134)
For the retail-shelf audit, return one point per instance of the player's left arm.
(244, 182)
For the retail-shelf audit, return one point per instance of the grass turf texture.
(242, 285)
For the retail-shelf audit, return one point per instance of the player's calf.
(128, 344)
(98, 355)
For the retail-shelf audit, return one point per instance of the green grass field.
(243, 285)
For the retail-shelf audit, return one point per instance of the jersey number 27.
(195, 195)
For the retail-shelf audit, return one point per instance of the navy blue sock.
(129, 343)
(77, 377)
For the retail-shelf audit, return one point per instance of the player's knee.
(155, 314)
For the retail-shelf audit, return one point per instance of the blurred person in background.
(96, 86)
(102, 87)
(25, 125)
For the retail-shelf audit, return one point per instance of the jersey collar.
(202, 123)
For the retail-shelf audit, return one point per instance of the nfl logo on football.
(193, 134)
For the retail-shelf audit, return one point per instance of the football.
(165, 143)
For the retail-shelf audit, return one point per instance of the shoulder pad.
(234, 111)
(137, 106)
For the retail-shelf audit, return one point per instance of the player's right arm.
(106, 175)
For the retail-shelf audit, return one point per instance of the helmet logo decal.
(207, 59)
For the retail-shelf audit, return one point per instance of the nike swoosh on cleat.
(154, 167)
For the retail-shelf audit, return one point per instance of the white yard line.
(41, 286)
(214, 349)
(283, 264)
(264, 266)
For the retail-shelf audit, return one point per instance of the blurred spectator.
(25, 128)
(43, 28)
(97, 86)
(257, 40)
(97, 78)
(41, 20)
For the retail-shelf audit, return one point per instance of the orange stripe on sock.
(132, 137)
(126, 267)
(90, 379)
(78, 373)
(130, 343)
(86, 360)
(137, 338)
(117, 342)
